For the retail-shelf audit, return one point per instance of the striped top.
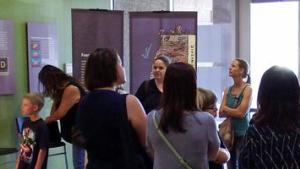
(266, 149)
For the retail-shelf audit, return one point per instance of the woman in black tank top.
(66, 94)
(106, 117)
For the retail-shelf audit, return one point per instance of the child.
(206, 101)
(35, 139)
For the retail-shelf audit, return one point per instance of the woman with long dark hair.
(65, 93)
(192, 133)
(273, 138)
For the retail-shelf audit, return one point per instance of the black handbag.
(54, 134)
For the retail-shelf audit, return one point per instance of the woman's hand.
(239, 111)
(222, 111)
(223, 156)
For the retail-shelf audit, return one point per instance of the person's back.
(273, 138)
(195, 145)
(191, 133)
(271, 149)
(100, 124)
(110, 122)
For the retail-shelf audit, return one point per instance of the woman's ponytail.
(248, 79)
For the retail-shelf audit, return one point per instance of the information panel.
(7, 54)
(93, 29)
(152, 34)
(42, 50)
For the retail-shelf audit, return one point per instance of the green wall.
(20, 12)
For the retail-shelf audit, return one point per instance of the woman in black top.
(112, 124)
(66, 93)
(273, 138)
(149, 93)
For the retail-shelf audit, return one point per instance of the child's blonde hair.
(35, 99)
(205, 98)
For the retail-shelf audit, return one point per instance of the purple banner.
(93, 29)
(7, 64)
(42, 50)
(148, 31)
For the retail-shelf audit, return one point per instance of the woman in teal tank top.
(236, 104)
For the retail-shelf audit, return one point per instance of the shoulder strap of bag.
(238, 99)
(241, 92)
(178, 156)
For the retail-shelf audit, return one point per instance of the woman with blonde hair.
(207, 100)
(236, 105)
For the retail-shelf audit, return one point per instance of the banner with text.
(7, 54)
(92, 29)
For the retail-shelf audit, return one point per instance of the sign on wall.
(7, 65)
(152, 34)
(42, 50)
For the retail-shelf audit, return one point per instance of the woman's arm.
(241, 110)
(223, 103)
(137, 117)
(71, 96)
(40, 158)
(17, 162)
(213, 138)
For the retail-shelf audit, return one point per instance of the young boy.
(35, 138)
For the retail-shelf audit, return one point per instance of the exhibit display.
(7, 54)
(153, 34)
(93, 29)
(42, 50)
